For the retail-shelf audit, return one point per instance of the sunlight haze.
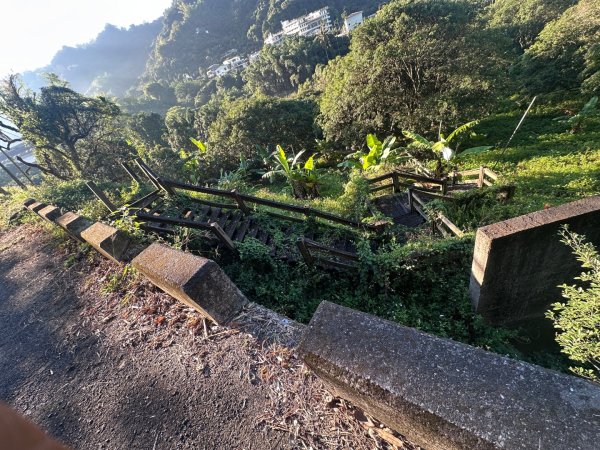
(37, 29)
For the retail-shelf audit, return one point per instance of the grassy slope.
(548, 164)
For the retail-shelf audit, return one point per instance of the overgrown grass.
(547, 164)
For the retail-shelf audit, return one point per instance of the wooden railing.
(484, 175)
(312, 252)
(396, 184)
(242, 201)
(438, 221)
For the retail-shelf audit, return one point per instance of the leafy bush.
(354, 202)
(578, 319)
(379, 153)
(423, 284)
(302, 177)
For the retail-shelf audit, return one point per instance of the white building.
(228, 65)
(273, 39)
(212, 70)
(236, 62)
(352, 21)
(253, 56)
(309, 25)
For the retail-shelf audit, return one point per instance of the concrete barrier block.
(519, 263)
(108, 240)
(198, 282)
(36, 206)
(74, 224)
(446, 395)
(50, 213)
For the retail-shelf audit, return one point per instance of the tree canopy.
(244, 123)
(524, 19)
(73, 135)
(565, 55)
(417, 63)
(280, 69)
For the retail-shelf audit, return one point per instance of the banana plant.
(442, 148)
(191, 160)
(303, 178)
(379, 153)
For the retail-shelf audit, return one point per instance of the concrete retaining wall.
(518, 263)
(74, 224)
(50, 213)
(108, 240)
(198, 282)
(445, 395)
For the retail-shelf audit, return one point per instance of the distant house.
(212, 70)
(352, 21)
(274, 38)
(235, 63)
(231, 64)
(311, 24)
(253, 56)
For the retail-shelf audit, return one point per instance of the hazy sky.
(34, 30)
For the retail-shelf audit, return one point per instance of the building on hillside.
(229, 65)
(274, 38)
(212, 70)
(311, 24)
(229, 53)
(253, 56)
(236, 62)
(352, 21)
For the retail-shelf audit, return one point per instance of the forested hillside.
(110, 64)
(195, 34)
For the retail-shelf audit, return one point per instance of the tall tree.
(73, 135)
(280, 69)
(523, 20)
(566, 53)
(415, 63)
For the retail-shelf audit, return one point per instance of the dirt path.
(132, 369)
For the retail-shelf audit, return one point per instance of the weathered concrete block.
(198, 282)
(445, 395)
(28, 202)
(109, 241)
(36, 206)
(74, 224)
(50, 213)
(519, 263)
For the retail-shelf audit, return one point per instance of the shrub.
(578, 319)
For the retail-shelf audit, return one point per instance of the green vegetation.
(414, 71)
(73, 135)
(302, 177)
(578, 319)
(196, 33)
(406, 70)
